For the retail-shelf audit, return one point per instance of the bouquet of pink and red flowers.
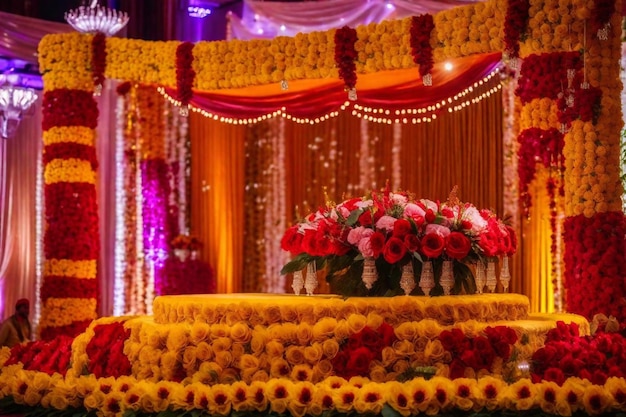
(395, 229)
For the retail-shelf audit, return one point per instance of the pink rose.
(365, 247)
(413, 211)
(437, 229)
(386, 223)
(359, 233)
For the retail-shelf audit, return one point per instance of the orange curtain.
(323, 160)
(217, 197)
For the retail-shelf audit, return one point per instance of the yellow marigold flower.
(74, 134)
(615, 386)
(398, 397)
(596, 400)
(421, 394)
(548, 396)
(322, 400)
(220, 399)
(277, 391)
(301, 396)
(522, 395)
(258, 396)
(370, 398)
(344, 398)
(491, 391)
(69, 170)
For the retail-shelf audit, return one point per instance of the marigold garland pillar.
(71, 239)
(595, 264)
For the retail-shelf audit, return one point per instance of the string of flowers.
(345, 54)
(98, 61)
(601, 16)
(538, 145)
(515, 25)
(185, 75)
(421, 50)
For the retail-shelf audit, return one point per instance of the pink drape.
(266, 19)
(19, 158)
(20, 36)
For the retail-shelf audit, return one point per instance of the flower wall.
(569, 85)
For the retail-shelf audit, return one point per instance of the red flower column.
(595, 263)
(71, 238)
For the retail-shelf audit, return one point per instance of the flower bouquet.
(383, 243)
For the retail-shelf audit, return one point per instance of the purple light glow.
(157, 232)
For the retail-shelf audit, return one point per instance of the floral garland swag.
(71, 246)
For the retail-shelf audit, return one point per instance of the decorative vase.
(181, 254)
(491, 280)
(298, 282)
(447, 277)
(310, 283)
(370, 275)
(480, 277)
(427, 278)
(407, 280)
(505, 274)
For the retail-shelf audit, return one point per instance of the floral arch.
(567, 109)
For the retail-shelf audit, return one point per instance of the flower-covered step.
(266, 309)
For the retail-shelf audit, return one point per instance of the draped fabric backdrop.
(217, 197)
(17, 213)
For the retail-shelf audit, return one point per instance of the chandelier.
(14, 102)
(96, 19)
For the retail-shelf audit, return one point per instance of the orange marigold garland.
(421, 29)
(345, 54)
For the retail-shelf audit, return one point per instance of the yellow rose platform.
(299, 355)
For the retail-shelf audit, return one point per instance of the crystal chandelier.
(14, 102)
(96, 19)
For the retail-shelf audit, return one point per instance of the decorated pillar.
(69, 290)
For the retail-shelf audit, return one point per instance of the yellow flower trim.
(539, 113)
(69, 268)
(264, 309)
(85, 390)
(64, 311)
(5, 352)
(72, 134)
(64, 61)
(141, 61)
(69, 170)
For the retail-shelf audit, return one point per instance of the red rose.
(387, 333)
(377, 242)
(412, 243)
(489, 243)
(359, 362)
(292, 241)
(430, 216)
(457, 369)
(394, 250)
(365, 219)
(401, 228)
(432, 245)
(554, 375)
(457, 245)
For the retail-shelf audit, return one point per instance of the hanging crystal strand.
(480, 277)
(407, 280)
(447, 277)
(370, 275)
(298, 282)
(310, 284)
(491, 276)
(505, 274)
(427, 278)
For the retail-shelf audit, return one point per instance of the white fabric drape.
(19, 157)
(20, 36)
(267, 19)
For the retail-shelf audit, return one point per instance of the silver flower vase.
(505, 274)
(298, 282)
(480, 278)
(407, 280)
(427, 278)
(492, 281)
(370, 275)
(310, 283)
(447, 277)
